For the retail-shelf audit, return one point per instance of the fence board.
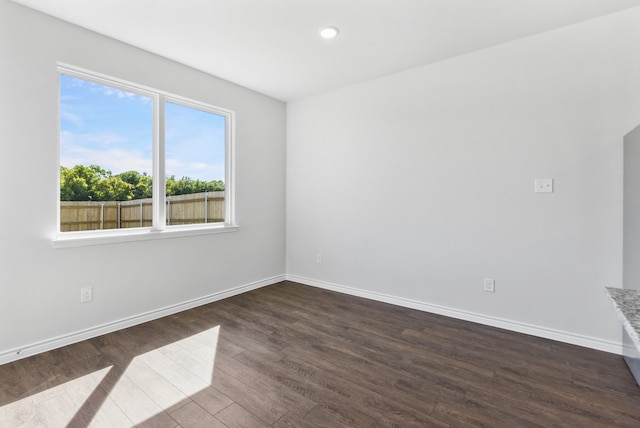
(196, 208)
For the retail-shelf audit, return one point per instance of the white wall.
(631, 227)
(39, 285)
(420, 184)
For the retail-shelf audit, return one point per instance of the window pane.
(105, 156)
(194, 165)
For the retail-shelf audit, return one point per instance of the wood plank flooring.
(290, 355)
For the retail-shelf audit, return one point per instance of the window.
(135, 160)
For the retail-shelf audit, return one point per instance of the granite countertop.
(627, 305)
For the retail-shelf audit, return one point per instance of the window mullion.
(229, 170)
(159, 205)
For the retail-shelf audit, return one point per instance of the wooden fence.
(182, 209)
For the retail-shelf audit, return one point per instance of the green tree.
(79, 183)
(184, 186)
(113, 188)
(170, 184)
(144, 188)
(187, 185)
(93, 183)
(141, 183)
(216, 186)
(72, 188)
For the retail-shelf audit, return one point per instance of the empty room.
(338, 213)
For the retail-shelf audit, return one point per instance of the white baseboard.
(68, 339)
(547, 333)
(533, 330)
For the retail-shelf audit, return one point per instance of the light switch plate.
(544, 185)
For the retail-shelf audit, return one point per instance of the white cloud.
(198, 166)
(119, 93)
(75, 82)
(174, 164)
(65, 114)
(104, 138)
(95, 139)
(195, 170)
(114, 159)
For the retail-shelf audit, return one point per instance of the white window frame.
(159, 229)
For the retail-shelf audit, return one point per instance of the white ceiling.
(272, 46)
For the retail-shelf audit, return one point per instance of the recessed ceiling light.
(328, 32)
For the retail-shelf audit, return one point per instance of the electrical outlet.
(319, 258)
(86, 294)
(543, 185)
(490, 285)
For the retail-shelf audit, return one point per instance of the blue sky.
(105, 126)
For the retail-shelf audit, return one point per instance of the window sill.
(82, 239)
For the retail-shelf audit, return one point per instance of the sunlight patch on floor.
(55, 406)
(159, 380)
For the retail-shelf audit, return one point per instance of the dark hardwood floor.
(289, 355)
